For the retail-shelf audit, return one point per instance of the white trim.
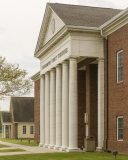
(22, 129)
(114, 18)
(117, 128)
(36, 76)
(117, 64)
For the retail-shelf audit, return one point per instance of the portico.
(62, 56)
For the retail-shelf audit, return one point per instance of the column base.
(63, 148)
(45, 145)
(57, 147)
(41, 144)
(51, 146)
(73, 149)
(99, 149)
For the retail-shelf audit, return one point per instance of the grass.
(3, 146)
(17, 141)
(11, 150)
(0, 134)
(66, 156)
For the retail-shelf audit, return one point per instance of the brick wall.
(117, 92)
(81, 106)
(36, 110)
(91, 100)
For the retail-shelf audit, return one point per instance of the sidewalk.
(29, 149)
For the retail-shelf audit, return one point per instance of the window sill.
(119, 83)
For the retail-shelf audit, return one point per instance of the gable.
(54, 21)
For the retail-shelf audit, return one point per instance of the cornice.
(36, 76)
(115, 23)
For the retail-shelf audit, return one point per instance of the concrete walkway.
(28, 149)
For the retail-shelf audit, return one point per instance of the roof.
(7, 117)
(23, 109)
(36, 76)
(83, 15)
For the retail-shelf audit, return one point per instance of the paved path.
(28, 149)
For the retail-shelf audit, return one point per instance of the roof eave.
(36, 76)
(115, 23)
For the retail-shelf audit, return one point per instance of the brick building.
(36, 79)
(83, 77)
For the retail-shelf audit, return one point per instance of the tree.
(13, 80)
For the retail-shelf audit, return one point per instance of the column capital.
(52, 69)
(73, 57)
(58, 66)
(65, 62)
(41, 75)
(100, 59)
(47, 73)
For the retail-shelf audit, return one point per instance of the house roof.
(83, 15)
(7, 117)
(23, 109)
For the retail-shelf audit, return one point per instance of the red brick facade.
(87, 102)
(117, 92)
(36, 111)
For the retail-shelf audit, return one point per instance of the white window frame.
(117, 128)
(23, 129)
(33, 129)
(121, 51)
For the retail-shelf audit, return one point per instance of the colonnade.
(4, 131)
(58, 112)
(59, 106)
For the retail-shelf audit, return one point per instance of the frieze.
(55, 58)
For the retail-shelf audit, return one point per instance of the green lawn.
(66, 156)
(17, 141)
(11, 150)
(0, 134)
(3, 146)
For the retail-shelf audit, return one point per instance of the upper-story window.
(120, 66)
(38, 97)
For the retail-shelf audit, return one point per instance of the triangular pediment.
(51, 25)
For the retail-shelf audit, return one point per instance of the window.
(39, 129)
(120, 66)
(120, 128)
(38, 97)
(24, 129)
(31, 129)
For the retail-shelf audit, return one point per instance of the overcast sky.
(20, 22)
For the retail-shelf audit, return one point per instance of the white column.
(4, 132)
(65, 105)
(47, 110)
(42, 111)
(100, 104)
(52, 108)
(11, 131)
(73, 107)
(58, 107)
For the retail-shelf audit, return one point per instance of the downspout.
(106, 147)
